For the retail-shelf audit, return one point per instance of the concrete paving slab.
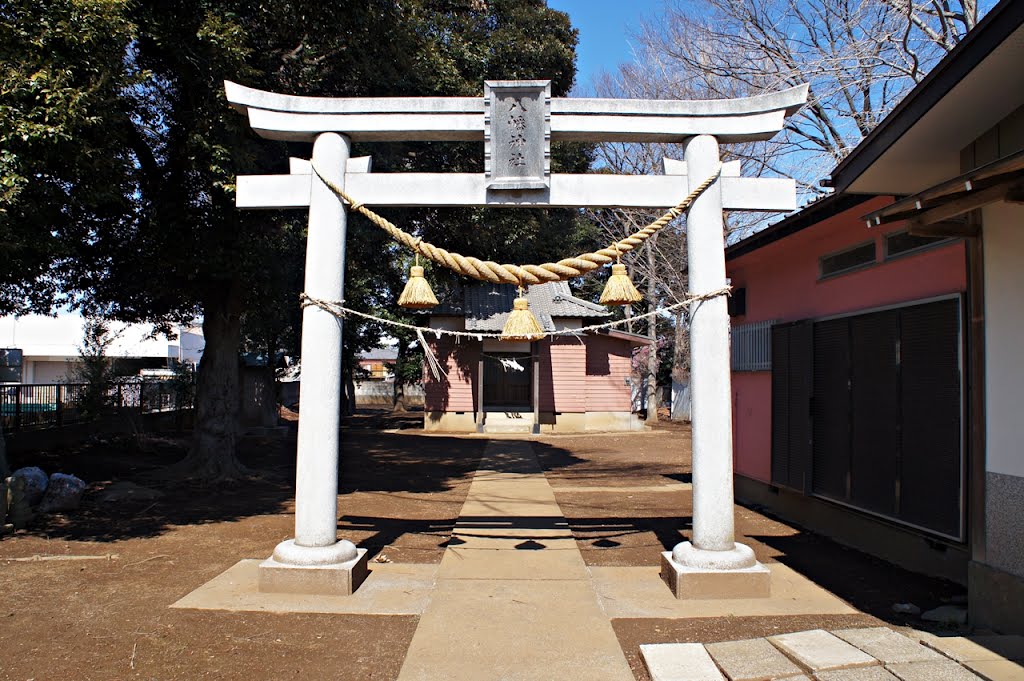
(858, 674)
(946, 670)
(887, 645)
(514, 629)
(818, 650)
(556, 561)
(390, 589)
(513, 598)
(679, 662)
(752, 660)
(997, 670)
(639, 592)
(972, 648)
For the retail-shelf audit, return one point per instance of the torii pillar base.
(333, 579)
(710, 581)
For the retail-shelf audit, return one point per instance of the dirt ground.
(401, 492)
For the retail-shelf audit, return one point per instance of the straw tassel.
(620, 290)
(521, 324)
(417, 294)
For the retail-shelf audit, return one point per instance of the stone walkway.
(871, 654)
(512, 599)
(511, 558)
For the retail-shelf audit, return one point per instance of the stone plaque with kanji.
(517, 134)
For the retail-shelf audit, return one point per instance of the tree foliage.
(860, 58)
(118, 156)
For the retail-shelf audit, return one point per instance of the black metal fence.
(46, 405)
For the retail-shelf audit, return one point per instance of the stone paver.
(887, 645)
(858, 674)
(819, 650)
(679, 662)
(751, 660)
(943, 670)
(513, 598)
(963, 649)
(997, 670)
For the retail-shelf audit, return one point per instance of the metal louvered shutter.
(791, 398)
(780, 405)
(830, 412)
(931, 438)
(874, 396)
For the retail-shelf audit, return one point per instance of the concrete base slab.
(679, 662)
(334, 580)
(819, 650)
(389, 589)
(631, 592)
(947, 670)
(752, 660)
(701, 583)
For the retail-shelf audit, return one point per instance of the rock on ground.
(64, 493)
(36, 481)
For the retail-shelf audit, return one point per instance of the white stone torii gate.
(516, 120)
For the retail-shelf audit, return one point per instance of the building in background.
(49, 347)
(564, 383)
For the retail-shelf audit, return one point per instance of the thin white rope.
(338, 309)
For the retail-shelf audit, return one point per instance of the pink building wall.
(783, 285)
(575, 377)
(608, 367)
(456, 392)
(563, 375)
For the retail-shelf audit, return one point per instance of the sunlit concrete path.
(513, 598)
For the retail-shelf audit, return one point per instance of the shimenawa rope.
(486, 270)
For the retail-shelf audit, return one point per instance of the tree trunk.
(350, 394)
(652, 333)
(398, 383)
(212, 455)
(681, 368)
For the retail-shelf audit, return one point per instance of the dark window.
(10, 365)
(850, 259)
(899, 243)
(737, 302)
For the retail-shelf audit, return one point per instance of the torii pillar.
(516, 120)
(713, 564)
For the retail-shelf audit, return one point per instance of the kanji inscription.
(517, 137)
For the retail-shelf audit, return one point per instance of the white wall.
(57, 339)
(1004, 338)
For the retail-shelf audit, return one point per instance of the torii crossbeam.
(516, 121)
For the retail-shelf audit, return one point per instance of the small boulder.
(906, 609)
(946, 614)
(35, 482)
(64, 493)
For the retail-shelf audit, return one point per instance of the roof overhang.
(939, 209)
(975, 86)
(634, 338)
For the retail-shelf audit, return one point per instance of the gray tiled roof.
(486, 306)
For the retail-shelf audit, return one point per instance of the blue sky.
(604, 27)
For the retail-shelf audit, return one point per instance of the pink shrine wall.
(783, 284)
(575, 377)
